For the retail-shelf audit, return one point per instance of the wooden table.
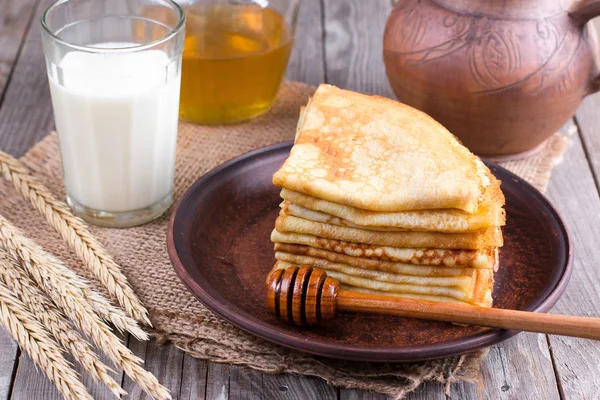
(339, 42)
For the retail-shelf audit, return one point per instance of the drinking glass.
(114, 72)
(235, 56)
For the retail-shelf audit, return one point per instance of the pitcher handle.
(581, 12)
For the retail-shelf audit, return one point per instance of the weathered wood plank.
(353, 45)
(30, 382)
(98, 390)
(8, 363)
(588, 117)
(245, 384)
(521, 367)
(26, 112)
(164, 361)
(193, 379)
(573, 192)
(588, 120)
(427, 391)
(306, 61)
(217, 381)
(348, 394)
(294, 387)
(15, 20)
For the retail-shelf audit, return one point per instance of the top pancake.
(377, 154)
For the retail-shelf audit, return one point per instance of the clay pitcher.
(501, 75)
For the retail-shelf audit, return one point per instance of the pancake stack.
(387, 201)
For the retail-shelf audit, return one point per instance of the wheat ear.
(64, 288)
(112, 314)
(75, 232)
(43, 350)
(36, 301)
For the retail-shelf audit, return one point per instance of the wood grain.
(193, 378)
(295, 387)
(98, 390)
(15, 21)
(30, 382)
(217, 381)
(245, 384)
(165, 362)
(574, 194)
(427, 391)
(306, 61)
(511, 373)
(8, 363)
(26, 112)
(588, 115)
(353, 45)
(349, 394)
(588, 120)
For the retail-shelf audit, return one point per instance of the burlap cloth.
(177, 316)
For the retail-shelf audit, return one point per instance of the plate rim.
(266, 331)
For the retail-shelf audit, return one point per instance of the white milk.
(116, 116)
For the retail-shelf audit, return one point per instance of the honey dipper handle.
(584, 327)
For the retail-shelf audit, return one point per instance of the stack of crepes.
(387, 201)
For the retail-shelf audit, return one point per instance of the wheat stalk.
(64, 288)
(43, 350)
(75, 232)
(110, 313)
(17, 280)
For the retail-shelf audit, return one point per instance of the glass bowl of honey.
(235, 56)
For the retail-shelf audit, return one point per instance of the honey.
(234, 59)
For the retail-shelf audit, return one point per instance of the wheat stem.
(17, 280)
(43, 350)
(64, 288)
(112, 314)
(75, 232)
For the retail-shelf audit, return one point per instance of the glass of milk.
(114, 68)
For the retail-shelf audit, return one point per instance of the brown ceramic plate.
(219, 245)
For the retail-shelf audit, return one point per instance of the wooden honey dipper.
(306, 296)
